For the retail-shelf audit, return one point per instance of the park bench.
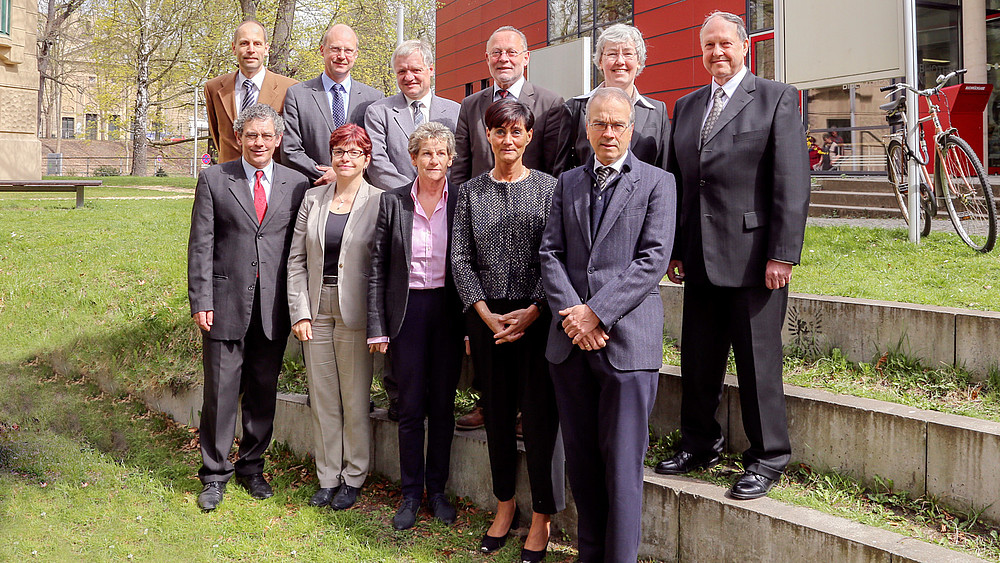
(49, 186)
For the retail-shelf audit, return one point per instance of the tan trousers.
(339, 371)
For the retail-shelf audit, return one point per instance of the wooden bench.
(50, 186)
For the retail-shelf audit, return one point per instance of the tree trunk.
(44, 57)
(249, 9)
(281, 39)
(141, 113)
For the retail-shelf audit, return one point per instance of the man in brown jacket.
(228, 94)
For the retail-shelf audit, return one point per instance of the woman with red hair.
(327, 297)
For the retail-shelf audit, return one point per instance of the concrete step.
(884, 199)
(822, 210)
(864, 184)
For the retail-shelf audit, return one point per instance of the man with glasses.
(241, 228)
(314, 108)
(604, 251)
(229, 94)
(507, 59)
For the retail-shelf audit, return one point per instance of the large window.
(4, 17)
(569, 19)
(939, 40)
(993, 77)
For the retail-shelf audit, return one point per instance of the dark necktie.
(249, 95)
(418, 116)
(503, 94)
(603, 173)
(713, 115)
(337, 106)
(259, 197)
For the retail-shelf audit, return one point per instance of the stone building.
(19, 146)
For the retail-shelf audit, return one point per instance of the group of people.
(529, 231)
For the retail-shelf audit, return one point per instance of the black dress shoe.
(406, 516)
(323, 496)
(393, 410)
(751, 486)
(442, 508)
(256, 485)
(684, 462)
(532, 556)
(489, 544)
(345, 497)
(211, 495)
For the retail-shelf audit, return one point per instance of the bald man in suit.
(228, 94)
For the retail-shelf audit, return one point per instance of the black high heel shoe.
(491, 544)
(532, 556)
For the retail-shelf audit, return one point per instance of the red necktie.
(259, 199)
(503, 94)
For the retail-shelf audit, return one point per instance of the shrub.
(106, 170)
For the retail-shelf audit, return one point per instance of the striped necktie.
(418, 116)
(249, 95)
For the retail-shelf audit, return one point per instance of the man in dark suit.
(228, 94)
(605, 248)
(314, 108)
(241, 227)
(507, 57)
(390, 121)
(743, 172)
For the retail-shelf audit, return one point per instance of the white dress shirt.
(258, 81)
(328, 83)
(251, 173)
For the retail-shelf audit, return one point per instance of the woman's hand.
(303, 330)
(491, 319)
(515, 323)
(380, 347)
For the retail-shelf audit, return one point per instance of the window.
(5, 17)
(570, 19)
(114, 128)
(90, 126)
(68, 128)
(760, 15)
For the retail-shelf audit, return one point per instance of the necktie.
(503, 94)
(603, 173)
(259, 198)
(249, 95)
(337, 107)
(418, 116)
(713, 115)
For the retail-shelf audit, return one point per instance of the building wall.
(19, 147)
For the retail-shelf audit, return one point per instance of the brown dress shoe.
(471, 421)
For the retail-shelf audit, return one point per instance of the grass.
(172, 181)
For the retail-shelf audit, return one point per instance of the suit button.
(340, 265)
(250, 288)
(254, 263)
(590, 270)
(701, 183)
(260, 237)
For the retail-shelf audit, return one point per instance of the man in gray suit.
(604, 250)
(241, 228)
(507, 57)
(743, 174)
(314, 108)
(391, 121)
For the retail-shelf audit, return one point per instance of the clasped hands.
(582, 325)
(510, 326)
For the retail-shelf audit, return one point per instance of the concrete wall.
(19, 145)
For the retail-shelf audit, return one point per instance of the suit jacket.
(475, 155)
(229, 253)
(617, 273)
(392, 250)
(389, 123)
(744, 196)
(650, 137)
(305, 260)
(220, 103)
(309, 122)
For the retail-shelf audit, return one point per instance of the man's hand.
(516, 322)
(204, 319)
(675, 271)
(579, 319)
(593, 340)
(777, 274)
(329, 175)
(380, 347)
(303, 330)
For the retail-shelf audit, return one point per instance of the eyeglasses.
(616, 128)
(353, 153)
(266, 137)
(347, 52)
(624, 55)
(495, 54)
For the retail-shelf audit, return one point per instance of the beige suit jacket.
(305, 260)
(220, 103)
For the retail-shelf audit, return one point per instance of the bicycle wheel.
(967, 194)
(896, 170)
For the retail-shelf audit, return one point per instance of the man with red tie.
(241, 228)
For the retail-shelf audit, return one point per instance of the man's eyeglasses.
(353, 153)
(616, 128)
(267, 137)
(495, 54)
(347, 52)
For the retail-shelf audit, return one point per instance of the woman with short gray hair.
(621, 56)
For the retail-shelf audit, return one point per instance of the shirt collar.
(251, 171)
(426, 100)
(637, 98)
(329, 82)
(514, 90)
(731, 85)
(616, 165)
(257, 79)
(413, 191)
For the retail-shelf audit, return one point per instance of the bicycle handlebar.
(941, 81)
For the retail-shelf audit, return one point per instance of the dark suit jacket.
(389, 277)
(389, 123)
(475, 155)
(650, 138)
(618, 272)
(229, 253)
(309, 123)
(744, 196)
(220, 103)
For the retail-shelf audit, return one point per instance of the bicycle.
(958, 179)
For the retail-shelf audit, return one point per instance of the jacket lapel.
(741, 97)
(322, 213)
(402, 116)
(238, 185)
(279, 189)
(357, 210)
(267, 90)
(322, 102)
(406, 225)
(227, 94)
(623, 192)
(581, 201)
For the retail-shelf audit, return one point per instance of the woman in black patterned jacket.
(499, 219)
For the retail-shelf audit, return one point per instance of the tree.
(51, 29)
